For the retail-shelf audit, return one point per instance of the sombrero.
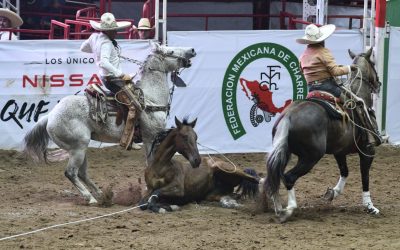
(108, 22)
(15, 19)
(314, 34)
(144, 24)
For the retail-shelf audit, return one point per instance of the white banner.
(241, 80)
(238, 84)
(393, 89)
(36, 74)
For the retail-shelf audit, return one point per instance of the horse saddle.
(102, 104)
(329, 102)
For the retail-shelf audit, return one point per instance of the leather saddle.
(332, 104)
(102, 104)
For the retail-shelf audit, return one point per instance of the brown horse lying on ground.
(170, 181)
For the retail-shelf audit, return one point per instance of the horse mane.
(159, 138)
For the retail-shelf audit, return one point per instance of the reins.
(351, 103)
(160, 57)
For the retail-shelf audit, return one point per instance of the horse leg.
(174, 189)
(344, 173)
(77, 158)
(303, 166)
(365, 165)
(82, 174)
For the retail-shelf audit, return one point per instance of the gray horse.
(70, 127)
(305, 130)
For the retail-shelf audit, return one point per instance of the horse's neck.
(155, 87)
(363, 91)
(165, 151)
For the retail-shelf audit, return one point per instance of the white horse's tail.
(279, 157)
(36, 141)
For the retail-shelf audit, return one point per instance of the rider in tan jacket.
(320, 69)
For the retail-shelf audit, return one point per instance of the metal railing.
(44, 34)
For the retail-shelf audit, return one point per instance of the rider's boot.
(373, 136)
(127, 135)
(377, 138)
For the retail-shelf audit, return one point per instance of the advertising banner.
(238, 85)
(35, 75)
(241, 81)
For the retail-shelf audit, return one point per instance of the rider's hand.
(353, 67)
(126, 77)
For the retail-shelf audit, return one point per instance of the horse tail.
(36, 141)
(278, 158)
(248, 187)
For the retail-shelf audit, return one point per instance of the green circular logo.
(239, 63)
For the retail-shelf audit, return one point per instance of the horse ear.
(352, 55)
(369, 52)
(155, 46)
(178, 123)
(193, 123)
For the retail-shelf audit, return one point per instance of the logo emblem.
(259, 91)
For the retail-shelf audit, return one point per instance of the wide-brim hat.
(314, 34)
(144, 24)
(108, 22)
(15, 19)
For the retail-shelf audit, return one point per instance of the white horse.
(70, 127)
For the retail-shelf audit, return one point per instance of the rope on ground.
(70, 223)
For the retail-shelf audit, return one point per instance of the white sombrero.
(144, 24)
(15, 19)
(108, 22)
(314, 34)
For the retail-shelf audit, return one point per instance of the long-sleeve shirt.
(317, 63)
(106, 55)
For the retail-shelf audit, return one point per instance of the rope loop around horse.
(209, 156)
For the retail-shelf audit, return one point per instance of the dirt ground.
(39, 196)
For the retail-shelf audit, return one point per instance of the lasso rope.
(209, 156)
(351, 104)
(70, 223)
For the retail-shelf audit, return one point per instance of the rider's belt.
(319, 82)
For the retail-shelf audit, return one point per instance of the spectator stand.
(67, 19)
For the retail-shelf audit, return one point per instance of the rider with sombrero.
(320, 69)
(107, 56)
(9, 19)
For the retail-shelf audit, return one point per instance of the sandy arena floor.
(39, 196)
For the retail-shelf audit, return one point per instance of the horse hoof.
(162, 211)
(373, 211)
(143, 205)
(174, 207)
(92, 202)
(329, 194)
(284, 215)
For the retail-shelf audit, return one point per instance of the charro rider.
(107, 56)
(319, 68)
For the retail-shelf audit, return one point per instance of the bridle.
(161, 56)
(373, 78)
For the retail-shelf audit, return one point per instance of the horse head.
(186, 141)
(366, 74)
(173, 58)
